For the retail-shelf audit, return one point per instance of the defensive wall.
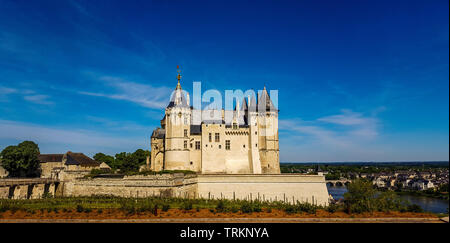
(289, 188)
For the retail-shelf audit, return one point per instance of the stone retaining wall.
(289, 188)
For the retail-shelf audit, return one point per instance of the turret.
(268, 134)
(177, 128)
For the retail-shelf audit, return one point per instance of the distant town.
(398, 176)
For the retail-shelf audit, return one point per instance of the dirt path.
(231, 220)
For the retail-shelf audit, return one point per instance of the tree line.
(124, 162)
(22, 160)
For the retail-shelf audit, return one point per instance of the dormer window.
(235, 126)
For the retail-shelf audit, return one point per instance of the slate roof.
(196, 129)
(178, 92)
(43, 158)
(264, 102)
(80, 159)
(159, 133)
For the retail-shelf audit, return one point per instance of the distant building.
(3, 172)
(422, 184)
(53, 164)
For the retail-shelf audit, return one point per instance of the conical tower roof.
(178, 98)
(244, 105)
(264, 102)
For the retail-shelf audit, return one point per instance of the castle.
(245, 144)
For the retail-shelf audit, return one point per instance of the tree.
(108, 159)
(141, 156)
(21, 160)
(129, 163)
(360, 196)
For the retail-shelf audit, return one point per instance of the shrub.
(414, 208)
(187, 205)
(290, 209)
(246, 207)
(332, 208)
(360, 196)
(234, 209)
(220, 206)
(165, 207)
(80, 208)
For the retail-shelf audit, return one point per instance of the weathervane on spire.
(179, 73)
(178, 77)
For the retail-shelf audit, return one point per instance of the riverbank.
(435, 205)
(443, 196)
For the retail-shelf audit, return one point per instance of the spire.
(264, 101)
(244, 104)
(237, 108)
(178, 98)
(178, 77)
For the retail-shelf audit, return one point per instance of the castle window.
(256, 145)
(185, 121)
(191, 145)
(220, 146)
(192, 163)
(197, 145)
(227, 144)
(256, 132)
(210, 137)
(234, 126)
(217, 137)
(185, 144)
(185, 133)
(243, 145)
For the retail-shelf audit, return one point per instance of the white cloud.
(38, 99)
(67, 138)
(6, 90)
(115, 125)
(347, 118)
(27, 94)
(342, 136)
(141, 94)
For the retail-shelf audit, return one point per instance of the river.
(428, 204)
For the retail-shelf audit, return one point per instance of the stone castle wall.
(168, 185)
(285, 187)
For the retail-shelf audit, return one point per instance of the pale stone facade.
(248, 144)
(57, 165)
(289, 188)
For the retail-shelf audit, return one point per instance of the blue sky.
(357, 80)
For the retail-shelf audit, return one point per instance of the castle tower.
(177, 130)
(251, 115)
(268, 134)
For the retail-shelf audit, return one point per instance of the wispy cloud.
(341, 130)
(38, 99)
(141, 94)
(27, 94)
(116, 125)
(69, 138)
